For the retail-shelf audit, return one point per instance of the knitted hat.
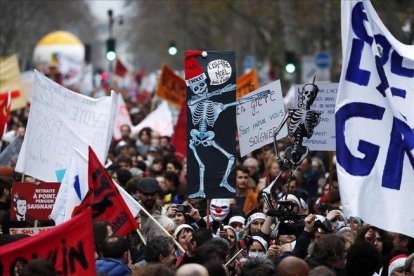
(193, 71)
(253, 215)
(396, 263)
(181, 227)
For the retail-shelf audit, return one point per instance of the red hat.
(193, 71)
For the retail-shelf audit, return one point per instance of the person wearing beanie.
(254, 221)
(396, 265)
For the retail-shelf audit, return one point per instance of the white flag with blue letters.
(375, 122)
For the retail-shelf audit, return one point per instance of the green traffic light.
(290, 68)
(111, 55)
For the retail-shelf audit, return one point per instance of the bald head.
(292, 266)
(192, 270)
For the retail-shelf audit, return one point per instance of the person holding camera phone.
(186, 214)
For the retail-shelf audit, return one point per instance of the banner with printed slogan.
(258, 120)
(10, 81)
(375, 122)
(211, 125)
(69, 246)
(105, 200)
(171, 87)
(59, 121)
(324, 137)
(247, 83)
(32, 200)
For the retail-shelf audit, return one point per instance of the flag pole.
(141, 237)
(162, 228)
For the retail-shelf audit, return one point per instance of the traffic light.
(172, 49)
(110, 49)
(291, 62)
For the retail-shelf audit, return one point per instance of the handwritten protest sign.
(171, 87)
(69, 246)
(324, 137)
(59, 121)
(32, 200)
(247, 83)
(257, 120)
(31, 231)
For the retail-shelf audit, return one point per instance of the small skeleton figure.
(303, 121)
(204, 113)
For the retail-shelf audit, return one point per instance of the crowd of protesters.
(306, 233)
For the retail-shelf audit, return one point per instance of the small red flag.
(120, 69)
(105, 200)
(5, 103)
(179, 137)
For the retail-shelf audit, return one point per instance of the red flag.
(104, 198)
(179, 137)
(120, 69)
(70, 246)
(5, 103)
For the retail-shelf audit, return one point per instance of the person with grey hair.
(252, 165)
(192, 270)
(160, 249)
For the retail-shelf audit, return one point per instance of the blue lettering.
(358, 17)
(354, 73)
(385, 47)
(402, 141)
(352, 164)
(397, 68)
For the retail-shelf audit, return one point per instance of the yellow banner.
(10, 81)
(171, 87)
(247, 83)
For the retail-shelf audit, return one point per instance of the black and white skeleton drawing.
(204, 114)
(303, 121)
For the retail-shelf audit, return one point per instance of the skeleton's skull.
(308, 94)
(199, 87)
(219, 208)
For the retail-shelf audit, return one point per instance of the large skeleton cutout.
(204, 114)
(303, 121)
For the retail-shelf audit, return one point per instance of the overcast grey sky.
(100, 7)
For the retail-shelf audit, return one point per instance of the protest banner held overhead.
(70, 247)
(211, 128)
(171, 87)
(247, 83)
(122, 117)
(257, 120)
(374, 122)
(323, 138)
(59, 121)
(10, 81)
(33, 201)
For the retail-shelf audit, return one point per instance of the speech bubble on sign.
(219, 71)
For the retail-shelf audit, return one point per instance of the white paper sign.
(219, 71)
(257, 120)
(323, 138)
(59, 121)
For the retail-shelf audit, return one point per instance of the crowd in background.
(307, 235)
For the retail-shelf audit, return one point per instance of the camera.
(183, 208)
(290, 222)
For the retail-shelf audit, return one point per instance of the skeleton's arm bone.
(243, 100)
(276, 133)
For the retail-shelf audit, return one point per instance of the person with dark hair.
(170, 188)
(122, 176)
(115, 251)
(214, 249)
(101, 231)
(124, 161)
(173, 165)
(328, 250)
(144, 141)
(160, 249)
(258, 266)
(215, 268)
(362, 259)
(131, 187)
(246, 198)
(400, 241)
(194, 242)
(38, 267)
(379, 238)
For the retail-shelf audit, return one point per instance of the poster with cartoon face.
(211, 100)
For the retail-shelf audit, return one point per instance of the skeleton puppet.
(204, 113)
(303, 121)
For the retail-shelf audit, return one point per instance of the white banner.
(159, 120)
(323, 138)
(375, 122)
(122, 117)
(59, 121)
(257, 120)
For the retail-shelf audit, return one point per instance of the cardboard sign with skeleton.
(303, 121)
(211, 101)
